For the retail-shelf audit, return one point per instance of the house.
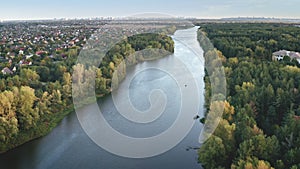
(21, 52)
(11, 55)
(279, 55)
(39, 53)
(25, 62)
(7, 71)
(29, 56)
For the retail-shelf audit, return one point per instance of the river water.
(68, 146)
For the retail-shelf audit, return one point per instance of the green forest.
(260, 127)
(253, 39)
(35, 99)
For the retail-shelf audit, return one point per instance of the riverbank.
(50, 118)
(45, 127)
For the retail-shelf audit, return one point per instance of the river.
(68, 146)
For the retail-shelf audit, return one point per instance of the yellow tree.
(8, 119)
(26, 113)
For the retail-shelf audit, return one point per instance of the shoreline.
(30, 135)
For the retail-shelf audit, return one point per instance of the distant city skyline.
(40, 9)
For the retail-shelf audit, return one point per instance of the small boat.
(196, 117)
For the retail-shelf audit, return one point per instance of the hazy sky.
(41, 9)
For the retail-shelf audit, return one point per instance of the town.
(30, 43)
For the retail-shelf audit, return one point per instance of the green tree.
(212, 153)
(266, 148)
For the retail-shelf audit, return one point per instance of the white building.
(279, 55)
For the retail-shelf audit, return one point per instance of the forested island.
(261, 120)
(35, 97)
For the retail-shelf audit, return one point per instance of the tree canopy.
(261, 120)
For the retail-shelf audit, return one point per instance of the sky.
(49, 9)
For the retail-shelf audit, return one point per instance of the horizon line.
(126, 17)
